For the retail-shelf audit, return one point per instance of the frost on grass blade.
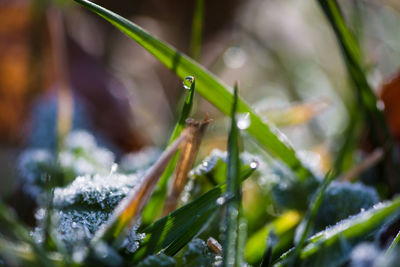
(332, 247)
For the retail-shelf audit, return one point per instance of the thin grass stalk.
(233, 192)
(154, 207)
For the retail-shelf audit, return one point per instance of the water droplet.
(221, 200)
(254, 164)
(205, 163)
(243, 120)
(187, 82)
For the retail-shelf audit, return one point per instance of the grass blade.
(197, 30)
(174, 231)
(154, 207)
(231, 255)
(393, 245)
(207, 85)
(312, 212)
(336, 241)
(256, 244)
(365, 94)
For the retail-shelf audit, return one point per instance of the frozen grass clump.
(287, 191)
(197, 254)
(84, 205)
(77, 226)
(96, 191)
(342, 200)
(160, 260)
(34, 165)
(364, 255)
(81, 155)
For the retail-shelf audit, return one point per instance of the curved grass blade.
(207, 85)
(154, 207)
(231, 255)
(333, 245)
(365, 94)
(174, 231)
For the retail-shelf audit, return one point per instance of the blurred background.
(62, 67)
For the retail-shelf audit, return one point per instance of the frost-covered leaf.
(159, 260)
(86, 204)
(332, 247)
(197, 254)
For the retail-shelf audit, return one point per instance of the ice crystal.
(95, 190)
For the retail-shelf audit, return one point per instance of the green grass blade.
(154, 207)
(197, 30)
(365, 94)
(312, 212)
(207, 85)
(175, 230)
(393, 245)
(336, 241)
(256, 244)
(234, 192)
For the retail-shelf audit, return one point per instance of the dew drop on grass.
(221, 200)
(254, 164)
(187, 82)
(243, 121)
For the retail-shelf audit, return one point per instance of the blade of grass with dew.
(312, 212)
(336, 241)
(185, 163)
(197, 30)
(130, 208)
(365, 94)
(154, 207)
(174, 231)
(207, 85)
(233, 192)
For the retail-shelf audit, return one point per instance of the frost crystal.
(100, 191)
